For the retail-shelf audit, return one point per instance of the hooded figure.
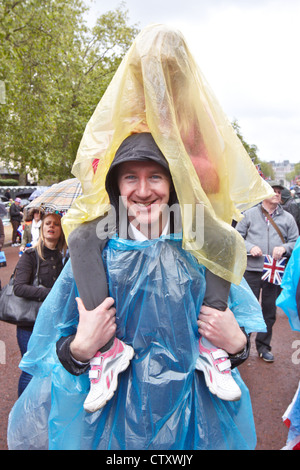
(158, 88)
(89, 239)
(290, 205)
(87, 242)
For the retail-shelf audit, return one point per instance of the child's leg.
(216, 292)
(212, 361)
(86, 258)
(86, 249)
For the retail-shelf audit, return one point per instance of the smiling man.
(141, 191)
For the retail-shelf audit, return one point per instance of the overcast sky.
(249, 51)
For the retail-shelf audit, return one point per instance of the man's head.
(277, 188)
(140, 175)
(18, 201)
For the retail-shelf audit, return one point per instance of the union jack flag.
(273, 269)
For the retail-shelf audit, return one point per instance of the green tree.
(55, 70)
(292, 175)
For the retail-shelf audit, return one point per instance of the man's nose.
(143, 189)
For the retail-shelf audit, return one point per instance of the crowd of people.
(42, 246)
(137, 343)
(49, 247)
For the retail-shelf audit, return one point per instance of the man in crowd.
(290, 205)
(16, 217)
(267, 230)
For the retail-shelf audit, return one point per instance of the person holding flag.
(270, 234)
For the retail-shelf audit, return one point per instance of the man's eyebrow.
(126, 171)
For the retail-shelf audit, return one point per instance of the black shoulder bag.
(19, 310)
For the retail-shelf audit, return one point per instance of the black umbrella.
(24, 193)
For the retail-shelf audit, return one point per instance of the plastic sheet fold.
(287, 302)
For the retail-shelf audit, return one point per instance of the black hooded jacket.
(290, 205)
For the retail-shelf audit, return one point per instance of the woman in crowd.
(49, 250)
(32, 228)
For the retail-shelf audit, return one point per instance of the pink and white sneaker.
(216, 367)
(105, 368)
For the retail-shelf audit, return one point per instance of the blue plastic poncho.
(287, 298)
(287, 301)
(161, 402)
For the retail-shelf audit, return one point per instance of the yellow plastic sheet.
(159, 88)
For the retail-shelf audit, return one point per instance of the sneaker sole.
(212, 389)
(96, 405)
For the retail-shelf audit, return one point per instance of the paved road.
(9, 372)
(272, 386)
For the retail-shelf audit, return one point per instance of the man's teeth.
(145, 204)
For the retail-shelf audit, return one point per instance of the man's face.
(277, 197)
(145, 190)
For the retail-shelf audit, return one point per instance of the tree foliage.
(293, 174)
(55, 69)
